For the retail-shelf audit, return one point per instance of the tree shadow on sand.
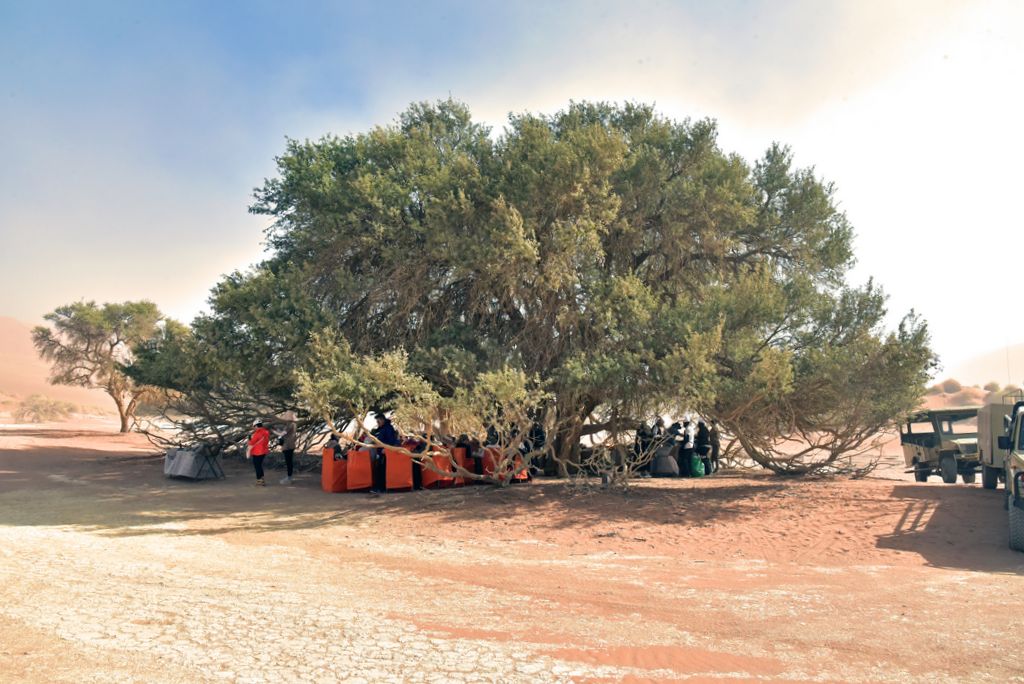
(115, 494)
(955, 527)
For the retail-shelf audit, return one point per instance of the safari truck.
(943, 442)
(994, 421)
(1013, 444)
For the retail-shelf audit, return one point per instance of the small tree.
(89, 344)
(992, 386)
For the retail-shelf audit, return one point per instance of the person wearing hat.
(385, 433)
(686, 448)
(259, 446)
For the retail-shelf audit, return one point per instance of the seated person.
(335, 444)
(385, 433)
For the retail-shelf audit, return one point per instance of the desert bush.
(1011, 389)
(991, 386)
(38, 409)
(950, 386)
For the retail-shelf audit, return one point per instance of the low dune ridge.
(23, 373)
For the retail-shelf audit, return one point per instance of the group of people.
(385, 433)
(690, 441)
(259, 446)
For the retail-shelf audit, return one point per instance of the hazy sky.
(133, 133)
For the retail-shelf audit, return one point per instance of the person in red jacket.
(259, 446)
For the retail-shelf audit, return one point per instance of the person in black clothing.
(492, 435)
(716, 443)
(703, 443)
(386, 433)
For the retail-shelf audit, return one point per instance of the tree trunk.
(122, 410)
(567, 445)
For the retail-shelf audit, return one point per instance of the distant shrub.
(992, 387)
(934, 389)
(40, 409)
(1011, 389)
(951, 386)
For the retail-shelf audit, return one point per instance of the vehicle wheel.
(947, 466)
(1016, 528)
(921, 472)
(989, 477)
(969, 477)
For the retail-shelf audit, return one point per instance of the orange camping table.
(442, 462)
(360, 475)
(463, 459)
(333, 473)
(399, 470)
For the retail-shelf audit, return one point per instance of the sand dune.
(22, 372)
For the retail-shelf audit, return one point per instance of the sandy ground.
(109, 572)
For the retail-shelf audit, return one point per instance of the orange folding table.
(333, 472)
(399, 470)
(360, 474)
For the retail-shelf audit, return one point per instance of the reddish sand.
(738, 577)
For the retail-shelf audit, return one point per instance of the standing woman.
(716, 443)
(259, 446)
(686, 449)
(288, 440)
(703, 441)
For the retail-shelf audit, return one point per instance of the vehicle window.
(921, 428)
(1020, 439)
(964, 426)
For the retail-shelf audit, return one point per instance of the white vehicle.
(993, 421)
(1013, 444)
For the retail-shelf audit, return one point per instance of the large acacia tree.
(621, 257)
(89, 345)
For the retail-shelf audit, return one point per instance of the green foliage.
(238, 362)
(41, 409)
(89, 345)
(619, 262)
(504, 403)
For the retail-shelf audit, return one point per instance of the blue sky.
(133, 133)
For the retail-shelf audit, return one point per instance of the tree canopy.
(88, 345)
(619, 258)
